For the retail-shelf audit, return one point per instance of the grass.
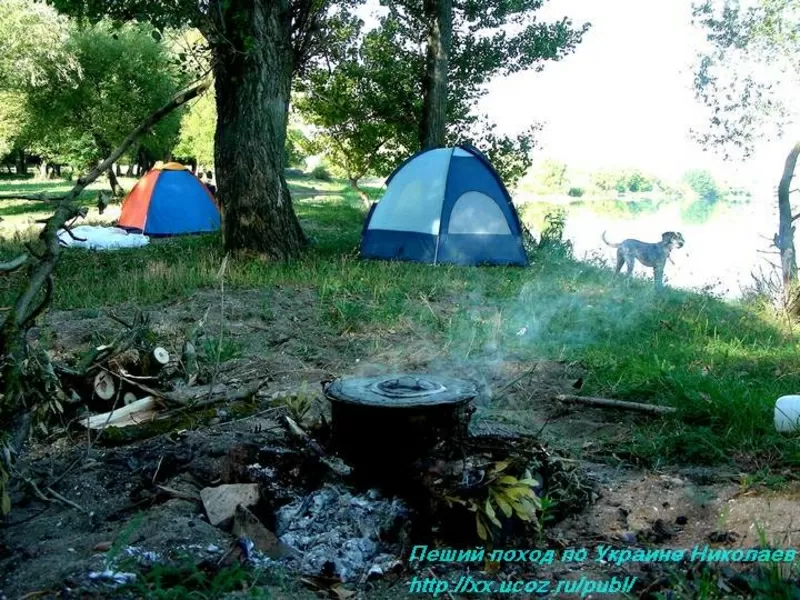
(721, 364)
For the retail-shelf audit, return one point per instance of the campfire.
(387, 463)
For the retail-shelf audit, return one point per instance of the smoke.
(496, 326)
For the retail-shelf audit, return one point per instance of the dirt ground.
(49, 547)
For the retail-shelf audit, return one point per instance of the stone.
(221, 502)
(247, 525)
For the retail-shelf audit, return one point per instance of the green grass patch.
(721, 364)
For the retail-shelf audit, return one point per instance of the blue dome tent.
(445, 205)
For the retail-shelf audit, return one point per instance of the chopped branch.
(32, 197)
(14, 263)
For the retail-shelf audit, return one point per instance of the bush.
(575, 192)
(322, 173)
(552, 239)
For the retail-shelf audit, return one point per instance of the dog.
(650, 255)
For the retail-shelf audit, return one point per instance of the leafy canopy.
(118, 76)
(33, 41)
(367, 100)
(749, 75)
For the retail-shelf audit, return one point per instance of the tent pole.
(436, 254)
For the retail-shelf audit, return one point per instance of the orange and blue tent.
(169, 200)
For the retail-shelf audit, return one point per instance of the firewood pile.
(131, 380)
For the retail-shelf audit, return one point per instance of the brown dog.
(650, 255)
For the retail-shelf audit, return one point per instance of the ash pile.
(334, 533)
(399, 464)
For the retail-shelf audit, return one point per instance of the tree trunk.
(253, 76)
(22, 163)
(433, 126)
(361, 193)
(784, 239)
(116, 188)
(143, 158)
(130, 171)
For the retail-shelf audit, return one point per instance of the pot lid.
(402, 390)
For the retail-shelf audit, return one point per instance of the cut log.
(135, 413)
(129, 398)
(621, 404)
(160, 357)
(104, 386)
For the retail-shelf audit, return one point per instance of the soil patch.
(137, 492)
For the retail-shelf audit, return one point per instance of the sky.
(624, 97)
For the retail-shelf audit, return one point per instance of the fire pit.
(393, 420)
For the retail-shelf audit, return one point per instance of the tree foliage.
(196, 138)
(353, 107)
(72, 92)
(622, 181)
(33, 37)
(120, 75)
(749, 70)
(33, 45)
(369, 103)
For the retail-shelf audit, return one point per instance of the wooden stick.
(179, 494)
(621, 404)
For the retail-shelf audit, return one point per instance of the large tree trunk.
(439, 17)
(784, 240)
(22, 162)
(253, 75)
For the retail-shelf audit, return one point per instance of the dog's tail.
(607, 243)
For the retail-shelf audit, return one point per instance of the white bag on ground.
(95, 237)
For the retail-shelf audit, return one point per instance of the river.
(724, 245)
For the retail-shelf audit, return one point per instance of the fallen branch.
(621, 404)
(201, 395)
(204, 395)
(179, 494)
(297, 432)
(67, 501)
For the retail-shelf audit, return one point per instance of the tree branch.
(48, 295)
(14, 263)
(31, 197)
